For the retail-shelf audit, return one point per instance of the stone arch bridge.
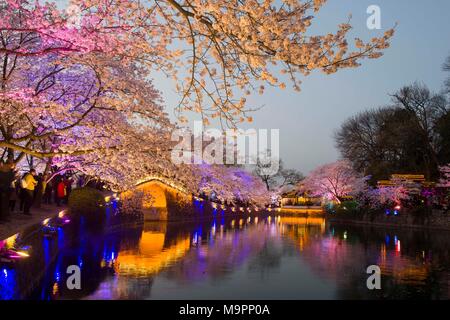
(160, 194)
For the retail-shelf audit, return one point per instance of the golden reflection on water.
(301, 234)
(403, 269)
(151, 256)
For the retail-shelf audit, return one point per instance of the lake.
(256, 257)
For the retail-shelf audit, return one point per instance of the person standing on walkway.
(48, 191)
(38, 194)
(60, 192)
(14, 194)
(55, 184)
(6, 178)
(29, 184)
(68, 182)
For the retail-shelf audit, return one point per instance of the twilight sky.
(307, 120)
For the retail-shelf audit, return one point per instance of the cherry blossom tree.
(445, 176)
(76, 93)
(279, 182)
(385, 196)
(71, 99)
(334, 181)
(218, 52)
(230, 184)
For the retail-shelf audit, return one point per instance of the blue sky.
(307, 120)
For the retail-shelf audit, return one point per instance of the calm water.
(256, 258)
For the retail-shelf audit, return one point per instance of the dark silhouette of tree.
(410, 136)
(446, 67)
(282, 178)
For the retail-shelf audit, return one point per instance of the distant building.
(419, 187)
(296, 198)
(414, 183)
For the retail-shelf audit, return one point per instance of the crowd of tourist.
(19, 192)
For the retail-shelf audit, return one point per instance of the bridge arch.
(158, 193)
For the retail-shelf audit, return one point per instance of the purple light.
(12, 254)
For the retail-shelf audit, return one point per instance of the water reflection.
(7, 283)
(255, 257)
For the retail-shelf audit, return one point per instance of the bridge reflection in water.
(255, 257)
(152, 254)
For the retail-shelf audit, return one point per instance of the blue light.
(110, 252)
(7, 284)
(195, 238)
(47, 253)
(395, 212)
(60, 238)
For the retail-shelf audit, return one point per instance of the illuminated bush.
(134, 201)
(89, 203)
(346, 208)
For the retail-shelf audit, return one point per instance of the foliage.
(88, 202)
(348, 209)
(410, 136)
(349, 205)
(445, 176)
(76, 89)
(334, 181)
(231, 184)
(284, 178)
(177, 202)
(446, 67)
(70, 97)
(132, 201)
(384, 197)
(215, 50)
(222, 47)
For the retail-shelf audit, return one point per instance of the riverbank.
(437, 220)
(19, 222)
(201, 210)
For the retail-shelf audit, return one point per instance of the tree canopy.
(409, 136)
(76, 89)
